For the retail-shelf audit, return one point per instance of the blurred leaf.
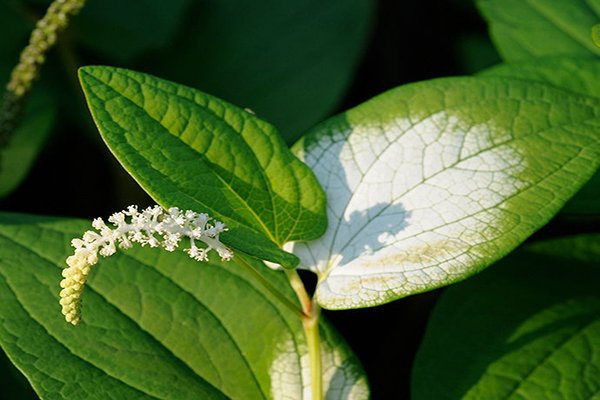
(194, 151)
(596, 34)
(476, 52)
(528, 328)
(291, 62)
(573, 74)
(542, 28)
(27, 140)
(155, 325)
(123, 30)
(431, 182)
(38, 117)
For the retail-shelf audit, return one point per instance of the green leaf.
(528, 328)
(197, 152)
(291, 62)
(596, 34)
(475, 52)
(541, 28)
(431, 182)
(155, 325)
(125, 30)
(574, 74)
(27, 140)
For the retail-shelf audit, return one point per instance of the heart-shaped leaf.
(528, 328)
(155, 325)
(541, 28)
(431, 182)
(194, 151)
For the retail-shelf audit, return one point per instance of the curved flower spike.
(144, 227)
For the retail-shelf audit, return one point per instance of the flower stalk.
(42, 39)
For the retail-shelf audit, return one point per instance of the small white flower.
(172, 225)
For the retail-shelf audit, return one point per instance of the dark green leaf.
(528, 328)
(123, 30)
(289, 61)
(26, 141)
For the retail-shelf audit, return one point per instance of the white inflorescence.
(143, 227)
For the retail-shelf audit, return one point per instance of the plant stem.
(310, 323)
(311, 330)
(300, 290)
(309, 315)
(239, 260)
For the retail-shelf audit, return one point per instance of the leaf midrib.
(35, 383)
(150, 335)
(338, 226)
(251, 283)
(257, 218)
(41, 256)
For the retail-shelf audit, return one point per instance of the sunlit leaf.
(155, 325)
(541, 28)
(429, 183)
(291, 62)
(194, 151)
(573, 74)
(528, 328)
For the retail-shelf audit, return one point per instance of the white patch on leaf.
(290, 374)
(409, 206)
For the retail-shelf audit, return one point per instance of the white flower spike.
(172, 225)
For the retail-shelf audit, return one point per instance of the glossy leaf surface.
(528, 328)
(156, 325)
(431, 182)
(194, 151)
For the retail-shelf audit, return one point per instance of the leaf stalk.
(310, 323)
